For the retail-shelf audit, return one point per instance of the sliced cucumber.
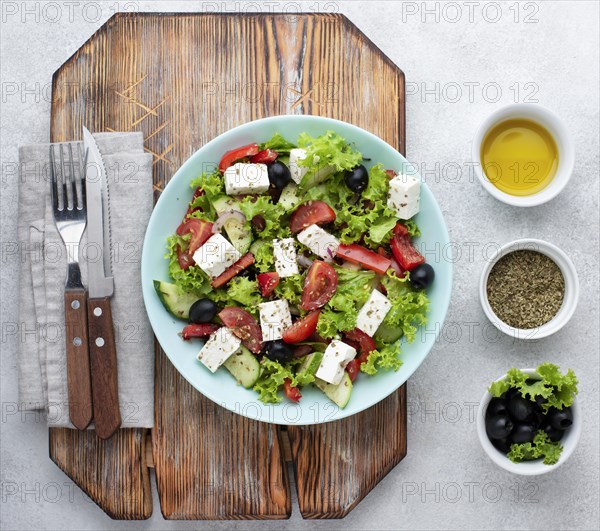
(339, 394)
(244, 367)
(311, 363)
(289, 197)
(177, 303)
(239, 234)
(387, 333)
(312, 178)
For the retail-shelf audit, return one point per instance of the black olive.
(554, 434)
(422, 276)
(520, 409)
(498, 426)
(497, 406)
(511, 393)
(560, 419)
(203, 311)
(522, 433)
(279, 174)
(502, 444)
(357, 179)
(278, 351)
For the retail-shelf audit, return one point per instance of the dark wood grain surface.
(79, 383)
(183, 79)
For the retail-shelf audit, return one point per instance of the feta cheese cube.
(275, 317)
(372, 314)
(284, 252)
(216, 255)
(246, 179)
(337, 355)
(319, 242)
(404, 195)
(218, 348)
(296, 155)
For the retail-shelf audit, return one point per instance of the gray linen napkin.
(42, 356)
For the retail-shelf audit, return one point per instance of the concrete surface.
(462, 60)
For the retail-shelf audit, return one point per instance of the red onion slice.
(225, 217)
(304, 261)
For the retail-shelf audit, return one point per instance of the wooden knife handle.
(79, 383)
(103, 358)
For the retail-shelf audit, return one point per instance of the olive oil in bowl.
(519, 156)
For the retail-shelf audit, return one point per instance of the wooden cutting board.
(183, 79)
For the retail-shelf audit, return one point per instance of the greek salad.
(295, 263)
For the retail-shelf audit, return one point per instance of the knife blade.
(103, 353)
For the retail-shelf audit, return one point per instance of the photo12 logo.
(470, 12)
(61, 12)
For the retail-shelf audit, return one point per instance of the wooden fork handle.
(78, 360)
(103, 358)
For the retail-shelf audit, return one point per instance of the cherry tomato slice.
(198, 330)
(311, 213)
(293, 393)
(244, 326)
(319, 285)
(236, 154)
(264, 157)
(405, 253)
(391, 173)
(366, 344)
(184, 258)
(302, 328)
(358, 254)
(353, 368)
(200, 231)
(267, 282)
(245, 261)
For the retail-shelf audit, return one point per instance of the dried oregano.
(525, 289)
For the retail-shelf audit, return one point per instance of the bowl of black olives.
(529, 421)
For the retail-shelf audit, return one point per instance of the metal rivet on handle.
(97, 312)
(99, 342)
(77, 341)
(75, 305)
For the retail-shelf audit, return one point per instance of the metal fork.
(69, 206)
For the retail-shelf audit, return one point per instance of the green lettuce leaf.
(191, 280)
(541, 447)
(278, 143)
(272, 376)
(272, 213)
(330, 149)
(245, 292)
(263, 255)
(559, 390)
(290, 289)
(340, 313)
(409, 307)
(387, 356)
(213, 185)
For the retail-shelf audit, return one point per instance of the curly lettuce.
(278, 143)
(272, 376)
(213, 186)
(558, 389)
(191, 280)
(540, 447)
(290, 289)
(340, 313)
(271, 213)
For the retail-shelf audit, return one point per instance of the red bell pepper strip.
(264, 157)
(405, 253)
(198, 330)
(236, 154)
(245, 261)
(358, 254)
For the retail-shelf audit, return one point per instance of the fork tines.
(68, 182)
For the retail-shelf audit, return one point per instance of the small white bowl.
(564, 143)
(528, 468)
(570, 299)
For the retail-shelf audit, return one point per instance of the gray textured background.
(461, 61)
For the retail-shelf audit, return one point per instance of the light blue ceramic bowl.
(220, 387)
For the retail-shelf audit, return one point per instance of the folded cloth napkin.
(42, 356)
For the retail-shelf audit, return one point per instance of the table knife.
(103, 353)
